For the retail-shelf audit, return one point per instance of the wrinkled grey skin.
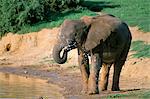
(106, 39)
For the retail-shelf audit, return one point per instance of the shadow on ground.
(98, 5)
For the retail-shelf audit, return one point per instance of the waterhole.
(18, 87)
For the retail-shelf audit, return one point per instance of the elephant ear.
(101, 28)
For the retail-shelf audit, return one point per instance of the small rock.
(25, 72)
(141, 59)
(134, 63)
(41, 98)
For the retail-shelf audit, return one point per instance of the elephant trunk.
(60, 59)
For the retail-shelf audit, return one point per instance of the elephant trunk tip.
(60, 59)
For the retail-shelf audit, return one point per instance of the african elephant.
(104, 38)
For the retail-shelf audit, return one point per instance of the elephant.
(104, 38)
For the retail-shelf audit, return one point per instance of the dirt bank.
(30, 55)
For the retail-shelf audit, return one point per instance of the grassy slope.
(134, 12)
(142, 49)
(141, 94)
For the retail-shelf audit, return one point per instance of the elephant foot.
(103, 89)
(84, 91)
(115, 89)
(93, 91)
(92, 86)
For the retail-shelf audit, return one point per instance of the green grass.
(142, 49)
(134, 12)
(131, 95)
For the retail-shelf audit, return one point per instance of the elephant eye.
(75, 34)
(62, 36)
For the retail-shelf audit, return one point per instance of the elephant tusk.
(70, 46)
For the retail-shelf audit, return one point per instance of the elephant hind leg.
(116, 75)
(118, 67)
(104, 76)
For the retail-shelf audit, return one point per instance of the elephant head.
(71, 32)
(87, 32)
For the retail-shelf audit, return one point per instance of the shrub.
(19, 13)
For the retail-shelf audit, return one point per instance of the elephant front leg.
(84, 67)
(94, 74)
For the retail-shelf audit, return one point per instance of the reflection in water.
(13, 86)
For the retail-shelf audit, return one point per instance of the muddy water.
(18, 87)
